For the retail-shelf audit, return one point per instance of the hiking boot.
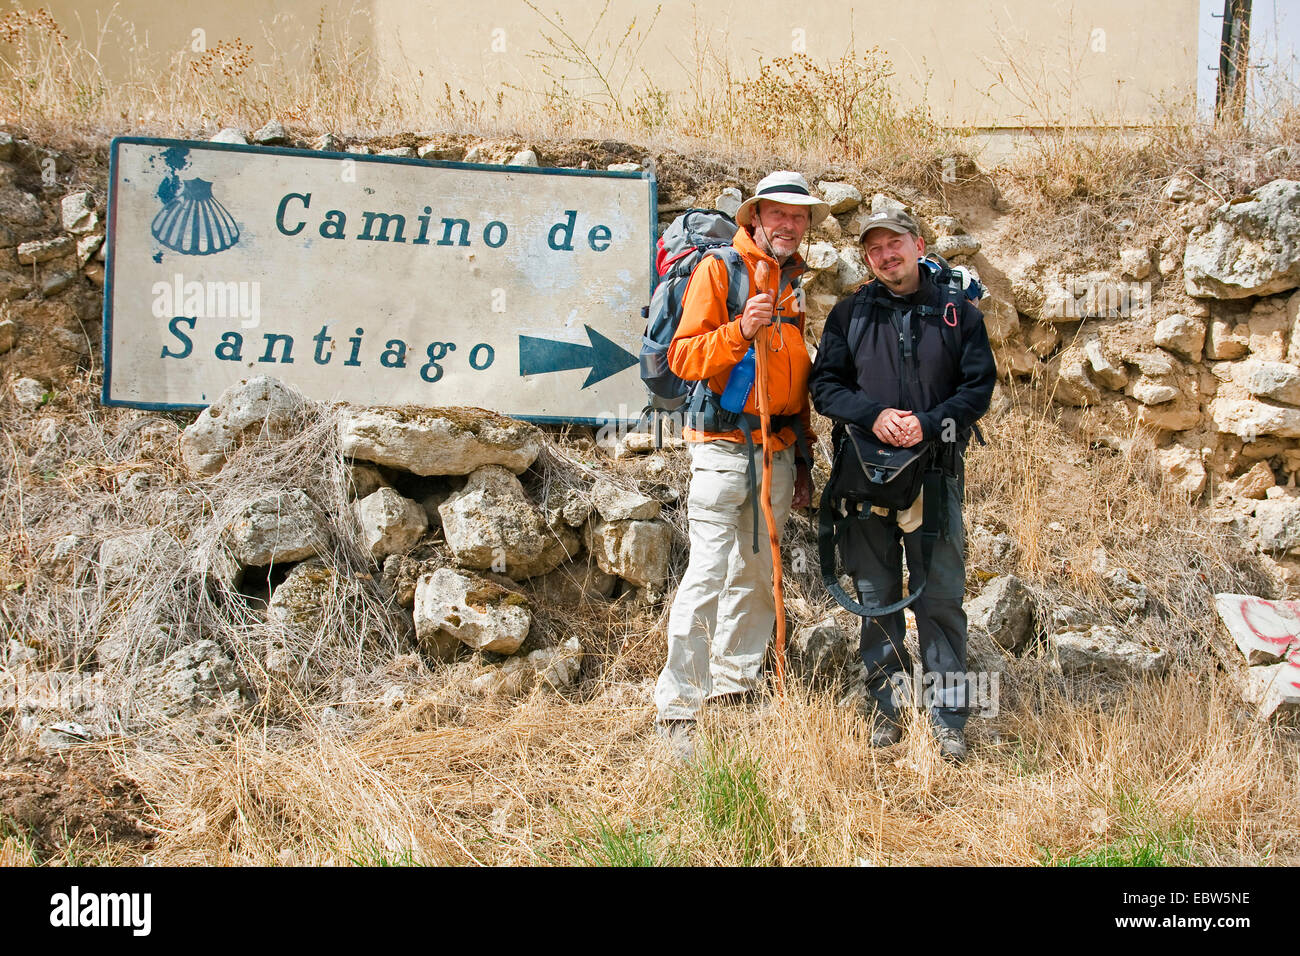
(952, 745)
(885, 732)
(679, 736)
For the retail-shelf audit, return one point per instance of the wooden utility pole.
(1234, 62)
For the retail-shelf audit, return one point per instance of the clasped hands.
(897, 427)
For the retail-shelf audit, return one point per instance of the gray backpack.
(693, 235)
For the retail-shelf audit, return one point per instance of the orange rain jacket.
(708, 343)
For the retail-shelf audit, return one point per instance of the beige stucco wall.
(1109, 61)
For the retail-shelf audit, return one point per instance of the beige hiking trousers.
(723, 614)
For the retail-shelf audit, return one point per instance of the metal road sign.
(374, 280)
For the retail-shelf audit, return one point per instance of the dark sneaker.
(679, 736)
(952, 745)
(884, 731)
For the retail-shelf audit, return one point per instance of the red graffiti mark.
(1293, 662)
(1288, 638)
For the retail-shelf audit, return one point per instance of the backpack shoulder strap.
(863, 302)
(737, 278)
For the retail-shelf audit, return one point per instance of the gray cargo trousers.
(871, 550)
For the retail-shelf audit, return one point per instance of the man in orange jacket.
(723, 614)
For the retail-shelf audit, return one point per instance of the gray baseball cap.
(893, 220)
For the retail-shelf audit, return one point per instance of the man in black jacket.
(954, 381)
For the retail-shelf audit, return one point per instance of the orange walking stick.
(762, 276)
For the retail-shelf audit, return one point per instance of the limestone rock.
(469, 609)
(1000, 319)
(1043, 339)
(1004, 611)
(231, 135)
(490, 523)
(882, 203)
(1135, 263)
(1068, 373)
(278, 528)
(1128, 595)
(573, 510)
(436, 151)
(851, 270)
(43, 250)
(1225, 341)
(1183, 187)
(390, 523)
(1104, 649)
(14, 286)
(1105, 369)
(131, 555)
(1182, 334)
(956, 248)
(822, 653)
(255, 408)
(557, 668)
(18, 208)
(28, 392)
(948, 226)
(821, 255)
(574, 583)
(56, 282)
(1012, 359)
(636, 551)
(87, 246)
(1150, 392)
(1274, 380)
(78, 210)
(525, 157)
(364, 480)
(841, 197)
(438, 441)
(195, 678)
(728, 201)
(1254, 484)
(401, 152)
(272, 134)
(618, 504)
(1276, 524)
(1182, 468)
(1249, 419)
(1247, 248)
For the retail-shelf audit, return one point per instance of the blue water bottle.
(739, 384)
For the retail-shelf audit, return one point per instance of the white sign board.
(1266, 632)
(374, 280)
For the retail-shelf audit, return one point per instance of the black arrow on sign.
(603, 357)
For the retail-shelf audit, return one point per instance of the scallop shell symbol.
(195, 223)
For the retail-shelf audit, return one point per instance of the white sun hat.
(785, 186)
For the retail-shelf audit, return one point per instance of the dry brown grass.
(1050, 478)
(547, 781)
(1067, 770)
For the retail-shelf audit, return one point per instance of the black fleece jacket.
(858, 388)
